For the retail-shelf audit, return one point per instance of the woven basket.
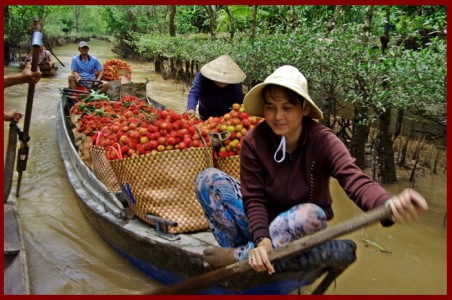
(103, 169)
(83, 144)
(229, 165)
(163, 185)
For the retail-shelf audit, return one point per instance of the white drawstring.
(281, 147)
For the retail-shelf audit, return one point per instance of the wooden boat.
(15, 270)
(168, 259)
(45, 68)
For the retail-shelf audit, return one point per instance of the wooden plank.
(15, 271)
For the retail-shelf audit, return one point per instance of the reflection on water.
(66, 256)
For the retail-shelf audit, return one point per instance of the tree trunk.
(416, 159)
(435, 165)
(213, 25)
(387, 165)
(328, 101)
(326, 108)
(253, 22)
(231, 22)
(399, 121)
(77, 18)
(333, 20)
(384, 39)
(361, 131)
(7, 53)
(359, 137)
(404, 150)
(172, 27)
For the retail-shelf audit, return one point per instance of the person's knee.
(71, 81)
(71, 78)
(312, 216)
(206, 173)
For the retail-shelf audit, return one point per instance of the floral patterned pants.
(221, 199)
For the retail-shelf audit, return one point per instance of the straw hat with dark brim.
(288, 77)
(223, 69)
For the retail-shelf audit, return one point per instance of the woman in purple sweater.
(215, 88)
(285, 165)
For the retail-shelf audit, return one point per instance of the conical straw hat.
(288, 77)
(223, 69)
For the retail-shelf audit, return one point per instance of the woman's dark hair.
(291, 95)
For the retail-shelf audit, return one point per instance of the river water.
(66, 256)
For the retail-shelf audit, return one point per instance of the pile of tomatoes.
(227, 131)
(111, 68)
(132, 127)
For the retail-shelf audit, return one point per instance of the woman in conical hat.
(216, 87)
(286, 162)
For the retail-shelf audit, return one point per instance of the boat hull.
(166, 261)
(45, 68)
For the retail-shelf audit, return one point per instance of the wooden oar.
(199, 283)
(69, 91)
(10, 160)
(50, 50)
(24, 148)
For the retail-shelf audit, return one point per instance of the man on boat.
(35, 26)
(84, 67)
(44, 57)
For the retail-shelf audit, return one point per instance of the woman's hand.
(191, 113)
(258, 257)
(407, 206)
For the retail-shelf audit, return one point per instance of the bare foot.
(218, 257)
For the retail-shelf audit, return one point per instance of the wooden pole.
(24, 148)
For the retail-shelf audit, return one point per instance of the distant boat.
(45, 68)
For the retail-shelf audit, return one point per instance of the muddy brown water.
(66, 255)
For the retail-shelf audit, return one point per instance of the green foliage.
(418, 78)
(241, 15)
(56, 22)
(17, 19)
(182, 16)
(410, 19)
(123, 22)
(337, 64)
(192, 19)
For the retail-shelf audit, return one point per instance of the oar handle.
(201, 282)
(36, 44)
(50, 49)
